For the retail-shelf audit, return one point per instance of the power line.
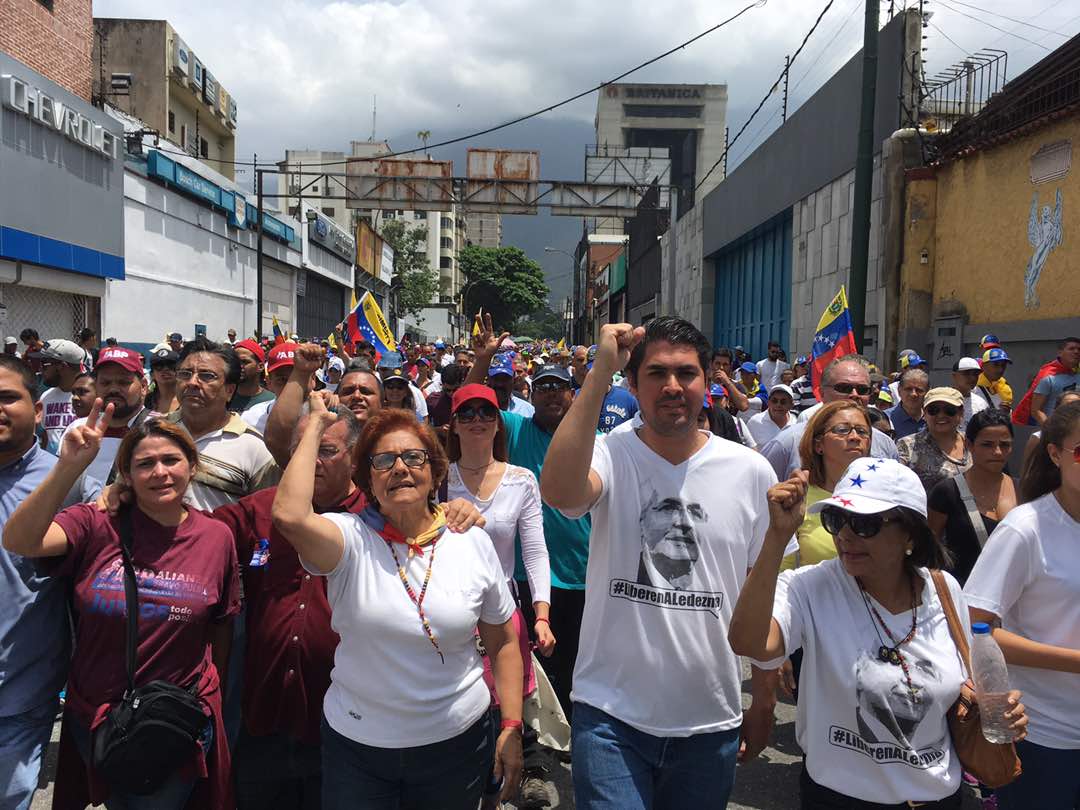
(776, 84)
(564, 102)
(991, 25)
(847, 18)
(953, 41)
(1010, 19)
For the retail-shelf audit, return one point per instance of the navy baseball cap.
(551, 370)
(749, 368)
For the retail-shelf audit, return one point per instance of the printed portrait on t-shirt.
(669, 541)
(885, 706)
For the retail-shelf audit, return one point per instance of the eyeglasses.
(780, 401)
(548, 387)
(395, 384)
(847, 388)
(185, 374)
(934, 408)
(843, 430)
(485, 413)
(328, 452)
(834, 519)
(413, 459)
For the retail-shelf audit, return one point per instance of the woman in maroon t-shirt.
(188, 591)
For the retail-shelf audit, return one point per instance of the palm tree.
(423, 135)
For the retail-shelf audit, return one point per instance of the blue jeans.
(173, 795)
(617, 767)
(23, 739)
(449, 775)
(1050, 781)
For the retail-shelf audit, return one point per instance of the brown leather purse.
(993, 764)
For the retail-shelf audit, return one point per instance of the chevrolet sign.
(35, 104)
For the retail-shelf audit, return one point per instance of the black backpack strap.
(131, 595)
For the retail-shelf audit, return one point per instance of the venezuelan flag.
(833, 339)
(278, 336)
(366, 322)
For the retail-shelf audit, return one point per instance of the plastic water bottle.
(991, 678)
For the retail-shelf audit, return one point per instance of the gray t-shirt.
(1053, 387)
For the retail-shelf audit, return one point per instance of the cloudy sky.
(305, 72)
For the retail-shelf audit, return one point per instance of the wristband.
(514, 724)
(545, 621)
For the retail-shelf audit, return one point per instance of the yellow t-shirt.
(815, 544)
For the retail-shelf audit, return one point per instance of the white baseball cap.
(870, 486)
(781, 387)
(967, 364)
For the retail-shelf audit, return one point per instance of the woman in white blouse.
(1027, 583)
(406, 721)
(880, 668)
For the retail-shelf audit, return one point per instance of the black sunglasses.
(544, 387)
(847, 388)
(469, 413)
(833, 520)
(935, 408)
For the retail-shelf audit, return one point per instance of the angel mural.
(1044, 234)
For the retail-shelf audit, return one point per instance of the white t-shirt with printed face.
(388, 687)
(668, 555)
(1029, 576)
(863, 732)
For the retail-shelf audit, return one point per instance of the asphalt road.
(770, 782)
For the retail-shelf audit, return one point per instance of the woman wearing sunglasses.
(407, 718)
(877, 653)
(1027, 583)
(966, 508)
(163, 394)
(938, 451)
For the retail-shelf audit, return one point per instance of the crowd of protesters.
(415, 578)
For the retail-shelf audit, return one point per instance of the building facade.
(484, 228)
(328, 252)
(300, 184)
(54, 39)
(62, 204)
(145, 69)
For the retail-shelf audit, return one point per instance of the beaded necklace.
(418, 600)
(892, 655)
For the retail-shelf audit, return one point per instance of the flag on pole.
(833, 339)
(278, 336)
(561, 345)
(366, 322)
(476, 325)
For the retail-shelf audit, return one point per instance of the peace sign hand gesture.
(81, 443)
(484, 341)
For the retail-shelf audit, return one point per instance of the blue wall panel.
(753, 288)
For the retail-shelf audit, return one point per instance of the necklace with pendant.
(892, 654)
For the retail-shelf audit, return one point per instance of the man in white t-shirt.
(772, 367)
(668, 554)
(777, 415)
(965, 378)
(61, 363)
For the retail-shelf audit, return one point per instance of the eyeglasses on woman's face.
(414, 459)
(934, 408)
(470, 413)
(844, 429)
(834, 519)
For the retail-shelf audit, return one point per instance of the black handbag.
(154, 729)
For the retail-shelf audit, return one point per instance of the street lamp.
(573, 272)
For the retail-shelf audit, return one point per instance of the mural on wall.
(1044, 234)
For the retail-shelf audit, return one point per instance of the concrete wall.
(57, 44)
(138, 47)
(693, 290)
(183, 261)
(816, 145)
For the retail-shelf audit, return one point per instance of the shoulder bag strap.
(131, 596)
(972, 509)
(956, 629)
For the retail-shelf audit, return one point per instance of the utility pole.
(787, 71)
(258, 248)
(864, 177)
(727, 132)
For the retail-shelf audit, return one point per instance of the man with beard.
(34, 631)
(249, 391)
(632, 745)
(61, 364)
(118, 381)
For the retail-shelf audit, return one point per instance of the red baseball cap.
(281, 355)
(127, 359)
(472, 391)
(252, 347)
